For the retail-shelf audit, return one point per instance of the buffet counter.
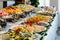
(51, 33)
(26, 22)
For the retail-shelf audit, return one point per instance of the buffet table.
(51, 33)
(28, 23)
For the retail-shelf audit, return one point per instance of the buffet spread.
(25, 22)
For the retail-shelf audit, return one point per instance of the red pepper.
(18, 29)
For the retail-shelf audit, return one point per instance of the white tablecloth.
(51, 33)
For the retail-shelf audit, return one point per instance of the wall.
(44, 2)
(10, 3)
(41, 3)
(59, 11)
(1, 6)
(54, 3)
(47, 2)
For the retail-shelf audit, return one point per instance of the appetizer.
(36, 9)
(42, 23)
(38, 18)
(2, 13)
(19, 34)
(25, 7)
(12, 9)
(28, 28)
(28, 8)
